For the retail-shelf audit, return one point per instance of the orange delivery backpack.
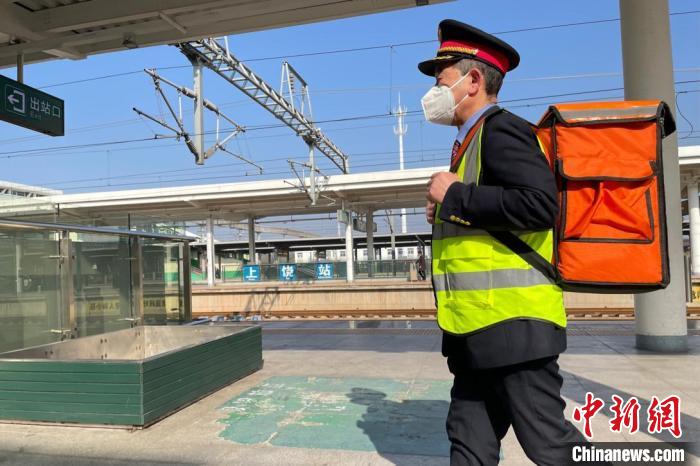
(610, 235)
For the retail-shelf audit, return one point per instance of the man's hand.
(438, 185)
(430, 212)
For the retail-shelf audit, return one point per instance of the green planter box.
(129, 377)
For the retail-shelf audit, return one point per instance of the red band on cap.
(490, 56)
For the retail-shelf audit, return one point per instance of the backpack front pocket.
(607, 203)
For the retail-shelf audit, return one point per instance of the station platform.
(375, 394)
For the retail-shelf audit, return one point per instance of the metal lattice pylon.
(195, 146)
(219, 59)
(295, 90)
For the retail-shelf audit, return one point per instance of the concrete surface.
(371, 357)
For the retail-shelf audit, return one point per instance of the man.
(503, 321)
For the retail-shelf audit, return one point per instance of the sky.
(357, 69)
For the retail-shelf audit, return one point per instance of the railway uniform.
(503, 321)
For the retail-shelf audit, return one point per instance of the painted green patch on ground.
(387, 416)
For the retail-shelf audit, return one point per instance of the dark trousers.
(486, 402)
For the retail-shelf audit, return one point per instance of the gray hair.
(492, 77)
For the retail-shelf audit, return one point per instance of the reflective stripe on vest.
(478, 281)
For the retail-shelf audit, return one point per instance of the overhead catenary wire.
(284, 172)
(160, 180)
(218, 167)
(371, 155)
(57, 151)
(33, 152)
(680, 112)
(269, 136)
(132, 121)
(159, 174)
(263, 129)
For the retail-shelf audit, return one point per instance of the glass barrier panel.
(162, 282)
(30, 292)
(102, 285)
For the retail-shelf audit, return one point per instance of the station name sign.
(30, 108)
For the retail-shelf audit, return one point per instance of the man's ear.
(474, 80)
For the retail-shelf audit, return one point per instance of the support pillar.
(312, 175)
(211, 273)
(694, 221)
(370, 241)
(393, 243)
(252, 259)
(186, 280)
(198, 111)
(349, 249)
(20, 68)
(18, 264)
(660, 316)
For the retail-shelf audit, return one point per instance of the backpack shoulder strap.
(521, 248)
(528, 254)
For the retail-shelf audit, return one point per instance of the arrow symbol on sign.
(17, 99)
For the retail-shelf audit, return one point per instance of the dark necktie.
(455, 152)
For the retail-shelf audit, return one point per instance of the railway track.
(578, 313)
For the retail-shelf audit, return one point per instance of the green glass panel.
(162, 281)
(30, 293)
(101, 283)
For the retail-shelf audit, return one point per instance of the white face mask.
(439, 104)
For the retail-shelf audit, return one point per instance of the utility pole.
(400, 130)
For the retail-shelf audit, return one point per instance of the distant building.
(338, 255)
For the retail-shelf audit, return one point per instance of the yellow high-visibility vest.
(480, 282)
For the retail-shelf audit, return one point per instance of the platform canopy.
(48, 29)
(689, 158)
(237, 201)
(393, 189)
